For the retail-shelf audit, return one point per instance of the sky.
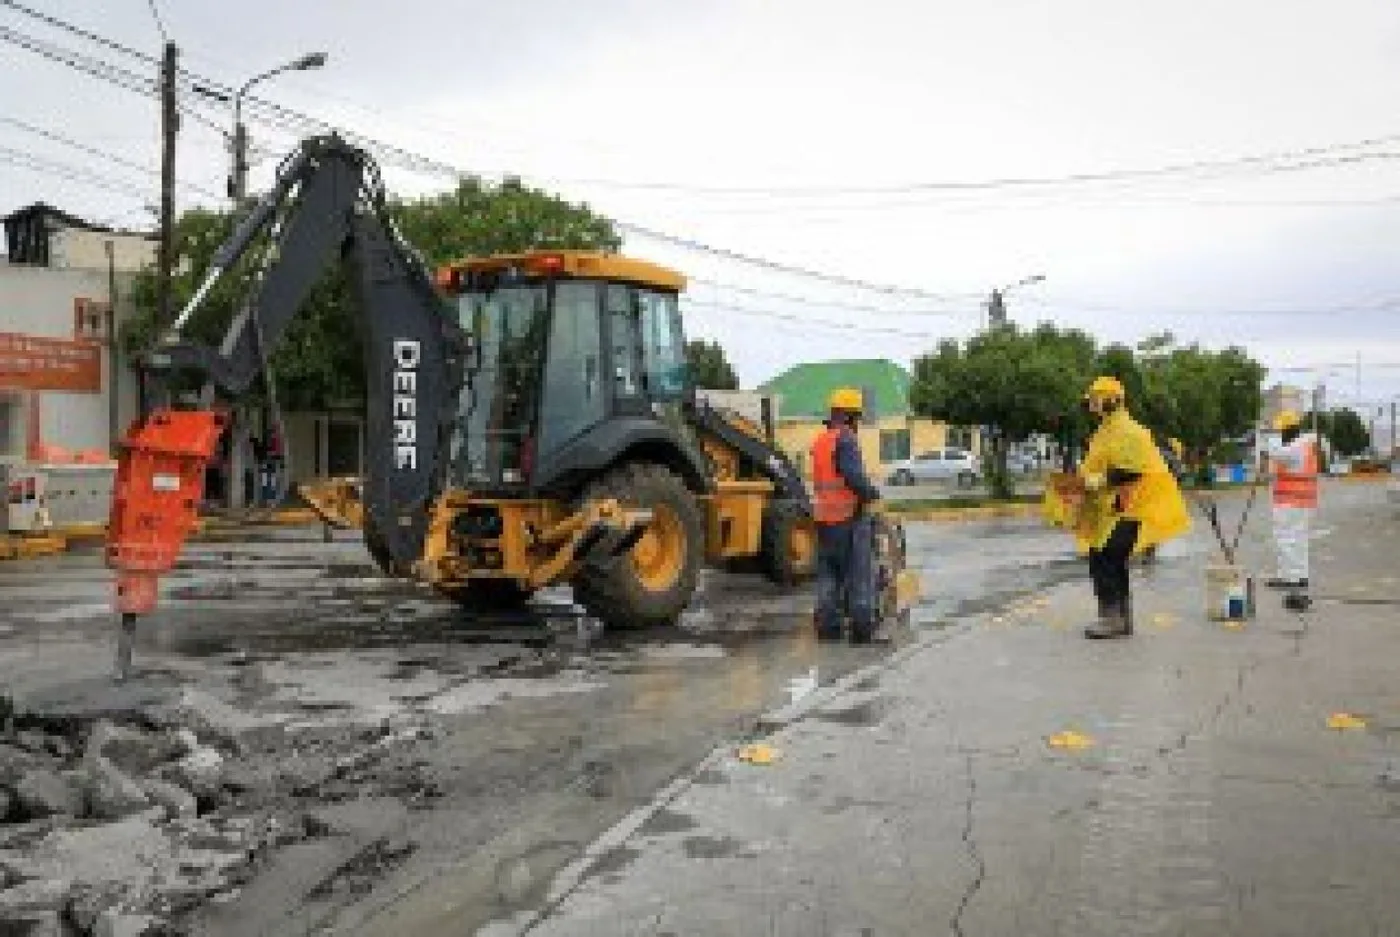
(871, 142)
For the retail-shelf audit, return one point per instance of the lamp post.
(238, 179)
(996, 303)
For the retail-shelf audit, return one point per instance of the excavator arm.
(326, 205)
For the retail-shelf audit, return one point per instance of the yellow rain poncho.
(1087, 505)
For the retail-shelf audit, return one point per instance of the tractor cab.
(575, 357)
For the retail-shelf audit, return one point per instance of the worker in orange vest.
(1294, 465)
(844, 502)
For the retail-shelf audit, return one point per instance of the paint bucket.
(1229, 593)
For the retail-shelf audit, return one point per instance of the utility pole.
(169, 127)
(1394, 442)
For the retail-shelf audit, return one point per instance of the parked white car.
(937, 465)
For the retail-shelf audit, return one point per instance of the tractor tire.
(788, 548)
(488, 595)
(651, 585)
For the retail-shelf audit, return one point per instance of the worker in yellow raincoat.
(1123, 500)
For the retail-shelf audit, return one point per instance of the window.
(573, 380)
(894, 445)
(624, 341)
(934, 456)
(663, 349)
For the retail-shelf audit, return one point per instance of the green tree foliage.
(1014, 383)
(709, 368)
(319, 359)
(1023, 383)
(1343, 429)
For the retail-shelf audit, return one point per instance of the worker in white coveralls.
(1294, 466)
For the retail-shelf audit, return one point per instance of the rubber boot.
(1113, 623)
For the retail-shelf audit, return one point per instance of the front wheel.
(788, 546)
(654, 582)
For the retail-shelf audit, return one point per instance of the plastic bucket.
(1229, 593)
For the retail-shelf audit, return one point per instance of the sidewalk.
(1202, 791)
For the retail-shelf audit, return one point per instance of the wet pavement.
(495, 751)
(1007, 777)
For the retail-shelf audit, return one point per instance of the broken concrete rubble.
(42, 793)
(110, 794)
(133, 751)
(177, 801)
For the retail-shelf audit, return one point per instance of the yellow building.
(891, 433)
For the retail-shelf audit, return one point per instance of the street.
(386, 767)
(430, 754)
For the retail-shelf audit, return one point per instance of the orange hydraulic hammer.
(155, 506)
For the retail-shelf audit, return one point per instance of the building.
(66, 390)
(891, 432)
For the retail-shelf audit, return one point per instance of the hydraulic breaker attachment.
(155, 507)
(897, 587)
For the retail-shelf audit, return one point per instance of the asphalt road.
(1009, 777)
(537, 736)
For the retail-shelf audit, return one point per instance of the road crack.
(969, 840)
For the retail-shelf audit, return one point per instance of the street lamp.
(996, 305)
(238, 181)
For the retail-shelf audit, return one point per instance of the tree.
(709, 368)
(320, 358)
(1343, 429)
(1014, 383)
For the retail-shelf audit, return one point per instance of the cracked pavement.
(1213, 799)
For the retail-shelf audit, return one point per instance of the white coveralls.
(1294, 468)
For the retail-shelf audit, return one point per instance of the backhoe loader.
(530, 420)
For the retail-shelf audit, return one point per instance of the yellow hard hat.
(846, 398)
(1105, 388)
(1287, 420)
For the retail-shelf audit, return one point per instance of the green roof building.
(804, 388)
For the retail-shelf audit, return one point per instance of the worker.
(1293, 464)
(1132, 503)
(844, 504)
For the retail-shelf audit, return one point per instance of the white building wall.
(78, 249)
(39, 301)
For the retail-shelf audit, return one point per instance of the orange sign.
(28, 362)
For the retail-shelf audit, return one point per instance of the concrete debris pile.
(110, 829)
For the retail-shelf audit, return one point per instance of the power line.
(160, 24)
(808, 322)
(839, 304)
(69, 173)
(100, 153)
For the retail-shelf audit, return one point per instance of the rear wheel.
(653, 583)
(788, 549)
(903, 478)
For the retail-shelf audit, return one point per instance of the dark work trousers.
(1108, 566)
(846, 575)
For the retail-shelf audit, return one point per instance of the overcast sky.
(761, 118)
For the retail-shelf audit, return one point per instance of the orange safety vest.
(835, 501)
(1298, 489)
